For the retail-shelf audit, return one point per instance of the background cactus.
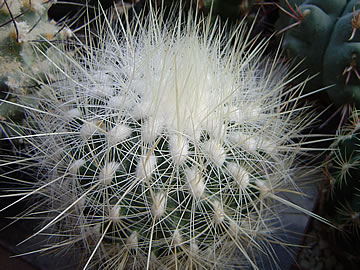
(167, 147)
(23, 23)
(323, 34)
(343, 190)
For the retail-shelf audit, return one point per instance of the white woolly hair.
(164, 144)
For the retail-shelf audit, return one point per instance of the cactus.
(323, 34)
(22, 23)
(167, 148)
(342, 201)
(343, 172)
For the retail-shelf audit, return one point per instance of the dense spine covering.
(165, 146)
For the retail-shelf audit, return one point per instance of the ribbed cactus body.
(326, 39)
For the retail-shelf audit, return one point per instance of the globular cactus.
(165, 146)
(23, 23)
(324, 35)
(343, 174)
